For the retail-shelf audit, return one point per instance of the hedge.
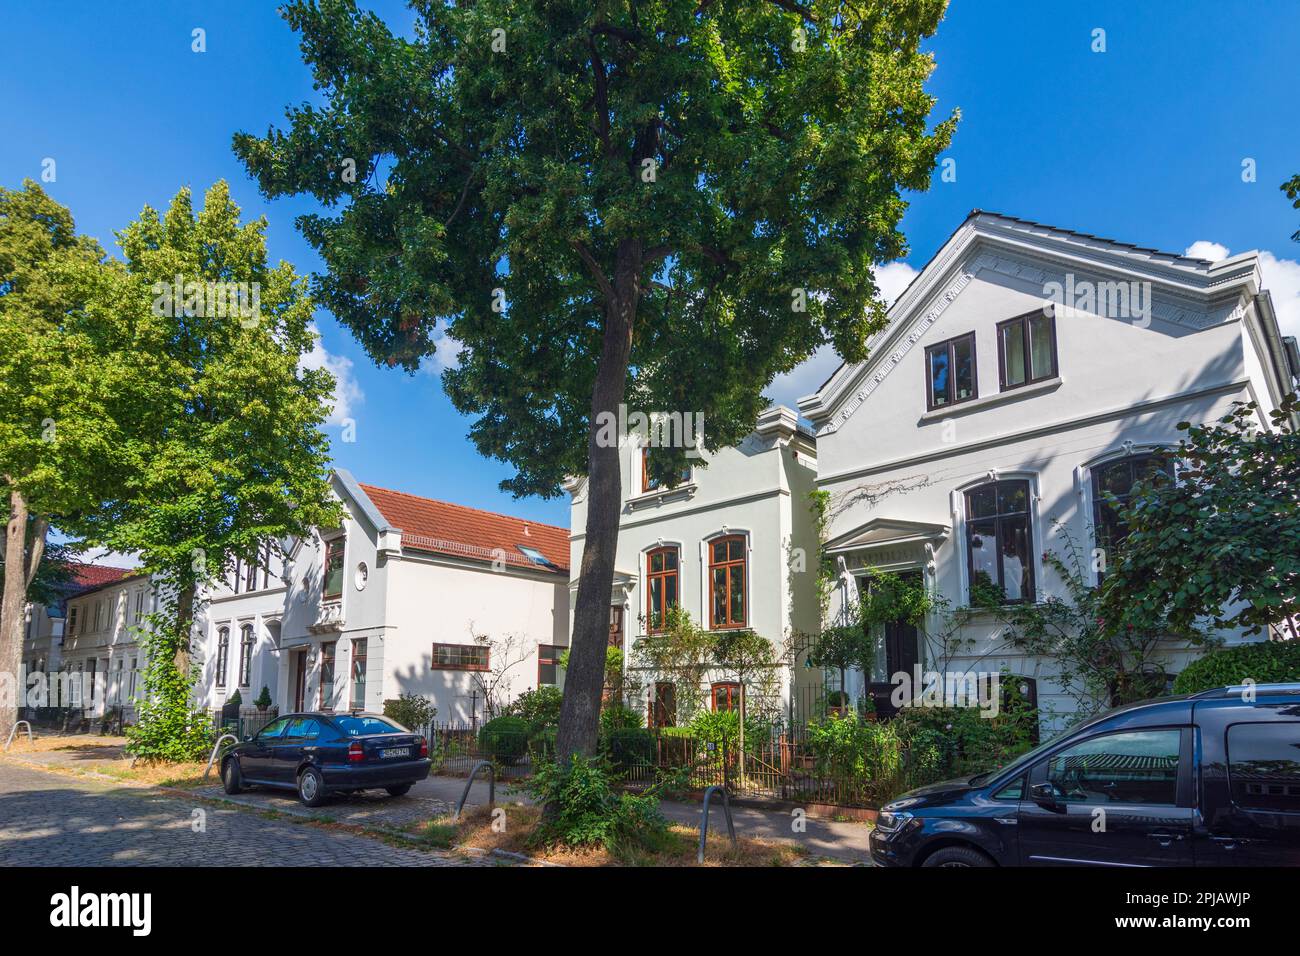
(1267, 662)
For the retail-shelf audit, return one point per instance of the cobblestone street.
(48, 819)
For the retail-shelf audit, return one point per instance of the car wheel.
(400, 790)
(311, 787)
(231, 778)
(957, 856)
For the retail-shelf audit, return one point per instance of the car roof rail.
(1237, 690)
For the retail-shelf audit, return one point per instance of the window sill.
(685, 490)
(988, 401)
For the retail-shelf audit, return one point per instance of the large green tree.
(662, 203)
(229, 454)
(1222, 542)
(64, 369)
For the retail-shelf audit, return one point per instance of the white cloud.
(445, 355)
(347, 392)
(1281, 279)
(806, 378)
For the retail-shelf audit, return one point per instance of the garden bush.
(504, 738)
(540, 709)
(618, 717)
(629, 747)
(588, 812)
(412, 711)
(1265, 663)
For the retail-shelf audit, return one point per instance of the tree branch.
(37, 551)
(606, 289)
(602, 96)
(791, 7)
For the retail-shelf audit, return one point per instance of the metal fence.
(242, 725)
(454, 748)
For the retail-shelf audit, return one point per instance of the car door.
(287, 754)
(1113, 799)
(1251, 788)
(255, 759)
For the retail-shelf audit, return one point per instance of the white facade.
(98, 646)
(757, 492)
(898, 473)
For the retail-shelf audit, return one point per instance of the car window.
(304, 727)
(358, 725)
(1131, 767)
(1264, 766)
(273, 729)
(1015, 790)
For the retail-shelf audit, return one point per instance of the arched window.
(727, 581)
(661, 571)
(999, 541)
(1112, 487)
(245, 654)
(223, 654)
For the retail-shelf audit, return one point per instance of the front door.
(616, 626)
(299, 679)
(902, 642)
(1120, 799)
(663, 706)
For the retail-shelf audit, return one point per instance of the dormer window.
(535, 556)
(1027, 349)
(950, 372)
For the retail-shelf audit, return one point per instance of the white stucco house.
(721, 544)
(1025, 369)
(390, 603)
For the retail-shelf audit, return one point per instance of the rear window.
(360, 726)
(1264, 766)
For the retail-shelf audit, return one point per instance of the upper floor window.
(999, 541)
(333, 569)
(648, 482)
(72, 620)
(661, 586)
(950, 372)
(548, 664)
(245, 654)
(1026, 349)
(1112, 487)
(727, 581)
(223, 654)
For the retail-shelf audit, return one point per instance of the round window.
(363, 574)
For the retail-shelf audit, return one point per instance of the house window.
(327, 675)
(223, 654)
(135, 674)
(548, 664)
(460, 657)
(727, 581)
(358, 674)
(649, 483)
(334, 569)
(1112, 487)
(245, 654)
(663, 705)
(661, 586)
(250, 576)
(950, 372)
(72, 620)
(726, 695)
(999, 540)
(1026, 349)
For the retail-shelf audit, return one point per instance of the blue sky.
(1143, 143)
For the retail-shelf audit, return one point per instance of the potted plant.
(263, 699)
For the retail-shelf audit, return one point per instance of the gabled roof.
(89, 577)
(441, 527)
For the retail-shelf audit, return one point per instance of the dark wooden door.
(300, 680)
(663, 706)
(902, 653)
(616, 626)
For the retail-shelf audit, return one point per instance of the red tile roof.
(87, 577)
(445, 528)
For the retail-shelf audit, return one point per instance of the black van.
(1211, 779)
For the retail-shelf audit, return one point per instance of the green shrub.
(719, 726)
(618, 717)
(629, 747)
(589, 813)
(263, 699)
(504, 738)
(540, 709)
(412, 711)
(234, 700)
(1267, 662)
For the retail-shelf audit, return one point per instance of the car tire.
(231, 779)
(400, 790)
(311, 787)
(957, 856)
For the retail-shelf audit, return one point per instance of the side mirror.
(1045, 795)
(247, 737)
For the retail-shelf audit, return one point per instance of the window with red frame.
(726, 696)
(661, 586)
(727, 581)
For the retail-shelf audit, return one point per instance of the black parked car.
(319, 754)
(1211, 779)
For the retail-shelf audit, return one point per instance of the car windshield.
(359, 725)
(1025, 759)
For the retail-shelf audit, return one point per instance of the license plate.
(396, 752)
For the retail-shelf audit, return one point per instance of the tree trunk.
(13, 606)
(585, 676)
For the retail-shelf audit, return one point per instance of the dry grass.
(87, 752)
(475, 830)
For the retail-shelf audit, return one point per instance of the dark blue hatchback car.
(1211, 779)
(319, 754)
